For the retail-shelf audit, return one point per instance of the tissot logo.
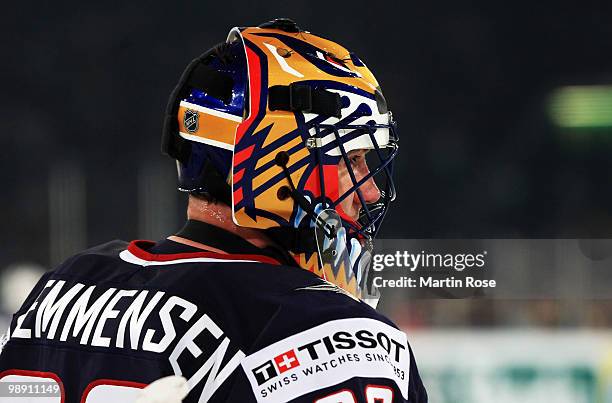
(327, 346)
(327, 355)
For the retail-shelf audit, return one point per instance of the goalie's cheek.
(351, 205)
(347, 206)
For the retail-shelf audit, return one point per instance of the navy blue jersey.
(238, 327)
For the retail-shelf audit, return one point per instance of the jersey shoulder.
(322, 341)
(103, 254)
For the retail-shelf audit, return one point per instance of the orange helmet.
(263, 121)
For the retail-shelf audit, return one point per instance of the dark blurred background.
(472, 86)
(504, 111)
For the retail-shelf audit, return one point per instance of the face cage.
(371, 215)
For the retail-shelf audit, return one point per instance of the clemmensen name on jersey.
(142, 320)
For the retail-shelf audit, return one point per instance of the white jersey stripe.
(129, 257)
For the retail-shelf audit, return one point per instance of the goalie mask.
(266, 122)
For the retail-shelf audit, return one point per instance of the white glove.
(170, 389)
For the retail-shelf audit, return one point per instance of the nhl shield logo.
(190, 120)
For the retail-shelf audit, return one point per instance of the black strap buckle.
(300, 97)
